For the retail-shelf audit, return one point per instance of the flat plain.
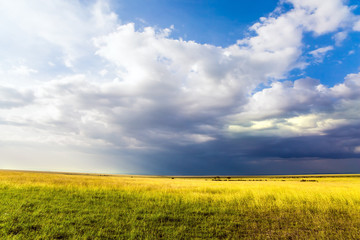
(40, 205)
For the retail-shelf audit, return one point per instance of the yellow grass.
(162, 207)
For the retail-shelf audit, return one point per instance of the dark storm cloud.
(261, 155)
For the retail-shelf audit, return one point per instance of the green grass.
(63, 206)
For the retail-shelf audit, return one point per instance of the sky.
(183, 87)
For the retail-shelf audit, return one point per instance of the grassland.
(64, 206)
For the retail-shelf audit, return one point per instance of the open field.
(70, 206)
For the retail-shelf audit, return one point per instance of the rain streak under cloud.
(83, 90)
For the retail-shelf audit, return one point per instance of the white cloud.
(283, 97)
(21, 70)
(357, 26)
(304, 107)
(320, 16)
(42, 31)
(340, 37)
(320, 53)
(349, 89)
(303, 125)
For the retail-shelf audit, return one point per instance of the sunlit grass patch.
(63, 206)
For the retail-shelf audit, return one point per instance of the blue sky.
(180, 87)
(219, 23)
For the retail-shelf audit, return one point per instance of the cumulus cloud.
(348, 89)
(99, 86)
(302, 107)
(319, 17)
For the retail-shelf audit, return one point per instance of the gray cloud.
(10, 97)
